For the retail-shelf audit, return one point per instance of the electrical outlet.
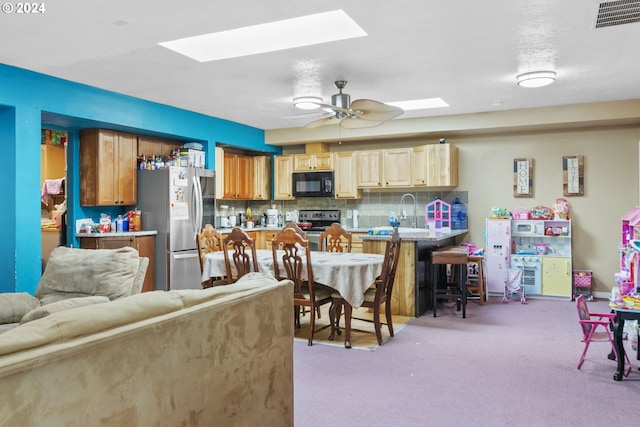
(349, 213)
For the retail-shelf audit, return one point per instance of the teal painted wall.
(30, 101)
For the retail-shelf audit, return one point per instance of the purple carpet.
(504, 365)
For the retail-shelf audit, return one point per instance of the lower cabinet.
(144, 244)
(356, 241)
(556, 276)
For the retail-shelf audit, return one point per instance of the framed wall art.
(522, 177)
(573, 175)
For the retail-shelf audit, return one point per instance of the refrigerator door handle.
(185, 256)
(199, 206)
(194, 206)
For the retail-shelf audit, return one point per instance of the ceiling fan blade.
(321, 122)
(374, 110)
(334, 108)
(358, 123)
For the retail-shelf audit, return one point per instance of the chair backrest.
(384, 282)
(583, 314)
(292, 250)
(240, 243)
(208, 240)
(295, 227)
(337, 239)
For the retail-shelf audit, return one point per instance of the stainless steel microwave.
(313, 184)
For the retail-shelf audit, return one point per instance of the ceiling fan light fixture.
(307, 102)
(536, 78)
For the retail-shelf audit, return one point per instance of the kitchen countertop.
(419, 235)
(123, 234)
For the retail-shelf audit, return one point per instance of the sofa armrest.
(138, 282)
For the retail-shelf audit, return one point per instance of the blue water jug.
(458, 215)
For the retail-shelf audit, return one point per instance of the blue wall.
(30, 101)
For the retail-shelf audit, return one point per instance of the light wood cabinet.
(108, 168)
(219, 168)
(148, 147)
(370, 169)
(262, 178)
(356, 241)
(52, 162)
(282, 170)
(317, 161)
(396, 167)
(419, 166)
(266, 237)
(442, 165)
(238, 177)
(345, 176)
(145, 245)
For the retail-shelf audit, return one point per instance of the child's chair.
(590, 332)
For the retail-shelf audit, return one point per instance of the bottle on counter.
(458, 215)
(137, 220)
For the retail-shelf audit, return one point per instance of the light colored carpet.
(363, 335)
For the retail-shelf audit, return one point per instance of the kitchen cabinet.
(356, 241)
(238, 177)
(419, 164)
(442, 165)
(396, 167)
(145, 245)
(345, 176)
(265, 237)
(282, 170)
(369, 171)
(317, 161)
(262, 178)
(148, 146)
(108, 172)
(556, 276)
(52, 162)
(219, 168)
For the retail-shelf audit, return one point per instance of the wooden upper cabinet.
(149, 146)
(282, 170)
(219, 168)
(108, 173)
(238, 177)
(397, 167)
(262, 178)
(442, 165)
(419, 166)
(317, 161)
(345, 176)
(370, 169)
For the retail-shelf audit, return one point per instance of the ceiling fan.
(361, 113)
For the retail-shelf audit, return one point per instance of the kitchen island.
(411, 292)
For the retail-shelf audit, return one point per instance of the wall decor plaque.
(522, 177)
(573, 175)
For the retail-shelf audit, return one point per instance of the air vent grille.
(619, 12)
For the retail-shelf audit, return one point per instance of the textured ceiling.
(466, 52)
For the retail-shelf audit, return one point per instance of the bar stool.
(441, 288)
(477, 284)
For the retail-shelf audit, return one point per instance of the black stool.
(441, 288)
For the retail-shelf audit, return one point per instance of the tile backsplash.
(374, 207)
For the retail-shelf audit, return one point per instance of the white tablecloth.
(351, 274)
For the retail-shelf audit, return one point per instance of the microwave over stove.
(313, 184)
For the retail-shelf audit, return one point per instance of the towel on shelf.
(51, 187)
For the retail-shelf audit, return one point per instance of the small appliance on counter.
(272, 218)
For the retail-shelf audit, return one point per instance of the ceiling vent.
(618, 12)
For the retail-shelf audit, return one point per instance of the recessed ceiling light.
(536, 78)
(419, 104)
(307, 102)
(287, 34)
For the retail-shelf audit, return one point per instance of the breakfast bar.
(411, 292)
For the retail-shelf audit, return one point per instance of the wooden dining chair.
(241, 244)
(295, 227)
(294, 254)
(209, 240)
(374, 297)
(335, 239)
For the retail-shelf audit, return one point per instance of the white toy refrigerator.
(498, 254)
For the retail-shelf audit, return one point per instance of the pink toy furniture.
(438, 216)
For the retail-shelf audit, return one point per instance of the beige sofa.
(74, 278)
(215, 357)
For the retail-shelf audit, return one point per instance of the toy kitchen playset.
(538, 242)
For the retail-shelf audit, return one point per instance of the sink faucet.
(403, 214)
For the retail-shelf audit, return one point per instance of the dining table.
(622, 314)
(351, 274)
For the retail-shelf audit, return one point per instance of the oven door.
(531, 273)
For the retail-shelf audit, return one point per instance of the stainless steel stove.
(318, 220)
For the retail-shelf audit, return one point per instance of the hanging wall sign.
(573, 175)
(522, 177)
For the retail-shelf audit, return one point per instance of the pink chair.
(590, 331)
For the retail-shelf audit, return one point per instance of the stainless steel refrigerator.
(177, 202)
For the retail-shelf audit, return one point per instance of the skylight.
(419, 104)
(287, 34)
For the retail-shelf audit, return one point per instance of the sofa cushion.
(15, 305)
(64, 304)
(84, 272)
